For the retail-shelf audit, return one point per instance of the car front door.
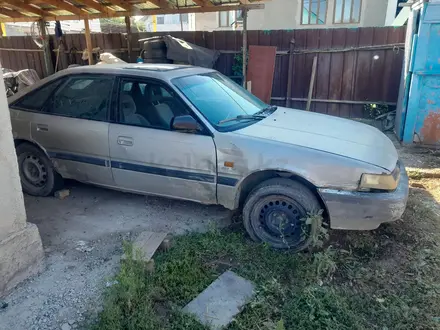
(147, 156)
(73, 128)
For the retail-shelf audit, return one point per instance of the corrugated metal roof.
(112, 8)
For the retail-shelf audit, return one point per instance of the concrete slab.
(146, 245)
(218, 304)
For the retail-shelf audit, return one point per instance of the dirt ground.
(82, 237)
(83, 234)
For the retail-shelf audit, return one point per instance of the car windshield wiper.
(268, 110)
(242, 117)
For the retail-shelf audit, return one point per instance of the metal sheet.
(260, 70)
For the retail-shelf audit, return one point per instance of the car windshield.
(219, 98)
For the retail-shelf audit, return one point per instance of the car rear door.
(147, 156)
(73, 128)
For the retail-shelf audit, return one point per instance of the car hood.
(326, 133)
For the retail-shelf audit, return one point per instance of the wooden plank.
(377, 71)
(5, 56)
(349, 71)
(324, 68)
(299, 69)
(88, 41)
(336, 72)
(363, 69)
(312, 42)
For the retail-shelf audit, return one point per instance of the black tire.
(37, 174)
(274, 213)
(155, 53)
(154, 44)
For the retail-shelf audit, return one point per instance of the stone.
(150, 266)
(62, 194)
(66, 326)
(71, 322)
(220, 302)
(21, 256)
(166, 244)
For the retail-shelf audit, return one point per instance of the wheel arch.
(17, 142)
(247, 184)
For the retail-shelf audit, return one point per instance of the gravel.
(82, 238)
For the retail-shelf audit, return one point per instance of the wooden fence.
(355, 66)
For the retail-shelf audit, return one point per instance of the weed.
(385, 279)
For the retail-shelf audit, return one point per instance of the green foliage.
(375, 110)
(387, 279)
(237, 67)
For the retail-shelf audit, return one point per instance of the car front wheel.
(276, 211)
(38, 177)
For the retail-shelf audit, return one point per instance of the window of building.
(347, 11)
(78, 98)
(184, 18)
(160, 19)
(314, 12)
(226, 18)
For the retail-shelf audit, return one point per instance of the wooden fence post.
(88, 41)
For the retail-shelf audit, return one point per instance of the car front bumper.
(353, 210)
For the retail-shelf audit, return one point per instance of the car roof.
(162, 71)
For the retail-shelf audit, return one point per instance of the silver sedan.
(191, 133)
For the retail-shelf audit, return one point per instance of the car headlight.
(380, 181)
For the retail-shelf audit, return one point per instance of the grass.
(385, 279)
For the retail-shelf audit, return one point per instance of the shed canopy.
(57, 10)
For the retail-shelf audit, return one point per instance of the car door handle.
(125, 141)
(42, 128)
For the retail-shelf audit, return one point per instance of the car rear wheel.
(275, 213)
(38, 177)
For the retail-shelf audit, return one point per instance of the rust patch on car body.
(431, 128)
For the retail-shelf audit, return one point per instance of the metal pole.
(88, 41)
(245, 44)
(47, 57)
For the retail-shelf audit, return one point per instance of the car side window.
(85, 97)
(36, 99)
(148, 104)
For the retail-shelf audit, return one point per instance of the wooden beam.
(97, 6)
(88, 41)
(24, 7)
(203, 3)
(10, 13)
(158, 11)
(128, 29)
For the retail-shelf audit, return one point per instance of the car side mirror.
(185, 123)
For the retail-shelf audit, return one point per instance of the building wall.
(286, 14)
(210, 22)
